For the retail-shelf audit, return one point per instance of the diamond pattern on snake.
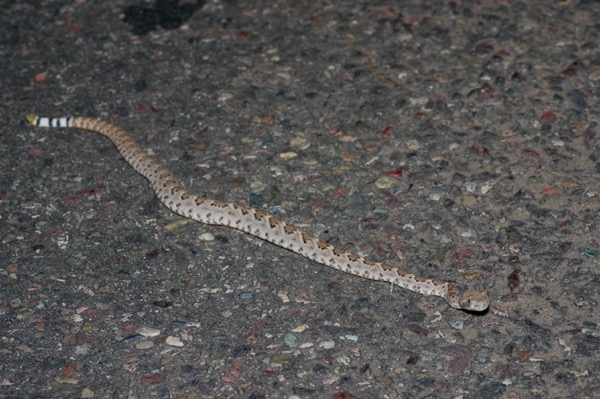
(174, 196)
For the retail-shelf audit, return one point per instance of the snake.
(172, 194)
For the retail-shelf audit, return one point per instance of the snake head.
(474, 300)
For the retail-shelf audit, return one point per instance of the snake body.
(270, 228)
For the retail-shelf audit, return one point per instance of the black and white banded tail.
(48, 122)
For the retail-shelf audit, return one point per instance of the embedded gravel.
(456, 139)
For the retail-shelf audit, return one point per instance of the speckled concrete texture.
(458, 140)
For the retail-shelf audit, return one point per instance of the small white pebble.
(225, 96)
(148, 332)
(145, 344)
(300, 328)
(457, 324)
(327, 344)
(288, 155)
(174, 341)
(487, 187)
(206, 237)
(284, 296)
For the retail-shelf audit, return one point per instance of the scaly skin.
(257, 223)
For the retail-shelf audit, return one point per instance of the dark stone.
(167, 14)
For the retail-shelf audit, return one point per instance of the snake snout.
(476, 301)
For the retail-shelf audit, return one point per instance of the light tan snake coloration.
(257, 223)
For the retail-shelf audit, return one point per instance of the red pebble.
(531, 153)
(153, 378)
(69, 369)
(387, 132)
(396, 174)
(575, 67)
(548, 117)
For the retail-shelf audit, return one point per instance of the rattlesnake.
(260, 224)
